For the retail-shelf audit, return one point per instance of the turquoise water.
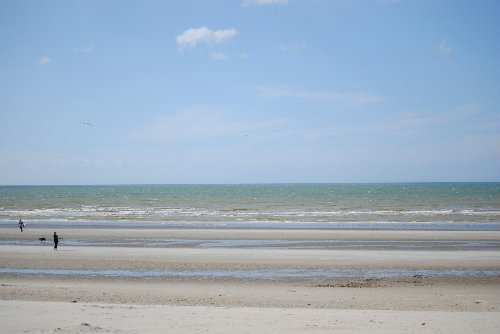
(264, 203)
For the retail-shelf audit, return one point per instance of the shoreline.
(278, 224)
(261, 239)
(353, 303)
(229, 233)
(225, 238)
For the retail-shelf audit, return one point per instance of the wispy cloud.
(292, 48)
(419, 123)
(346, 98)
(219, 56)
(403, 125)
(198, 123)
(443, 47)
(87, 49)
(263, 2)
(194, 36)
(44, 60)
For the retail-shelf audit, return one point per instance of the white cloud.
(345, 98)
(263, 2)
(194, 36)
(44, 60)
(444, 48)
(219, 56)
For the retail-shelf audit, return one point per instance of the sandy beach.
(103, 287)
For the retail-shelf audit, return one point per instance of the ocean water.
(405, 205)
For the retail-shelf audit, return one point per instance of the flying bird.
(87, 123)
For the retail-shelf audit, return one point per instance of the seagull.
(87, 123)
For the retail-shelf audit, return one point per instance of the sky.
(249, 91)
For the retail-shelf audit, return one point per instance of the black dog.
(41, 239)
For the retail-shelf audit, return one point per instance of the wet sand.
(104, 234)
(350, 303)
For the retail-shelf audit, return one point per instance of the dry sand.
(83, 303)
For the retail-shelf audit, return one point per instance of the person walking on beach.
(21, 225)
(56, 240)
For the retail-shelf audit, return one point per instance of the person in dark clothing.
(56, 240)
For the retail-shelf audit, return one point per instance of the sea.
(376, 206)
(428, 206)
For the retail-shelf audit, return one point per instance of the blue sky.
(249, 91)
